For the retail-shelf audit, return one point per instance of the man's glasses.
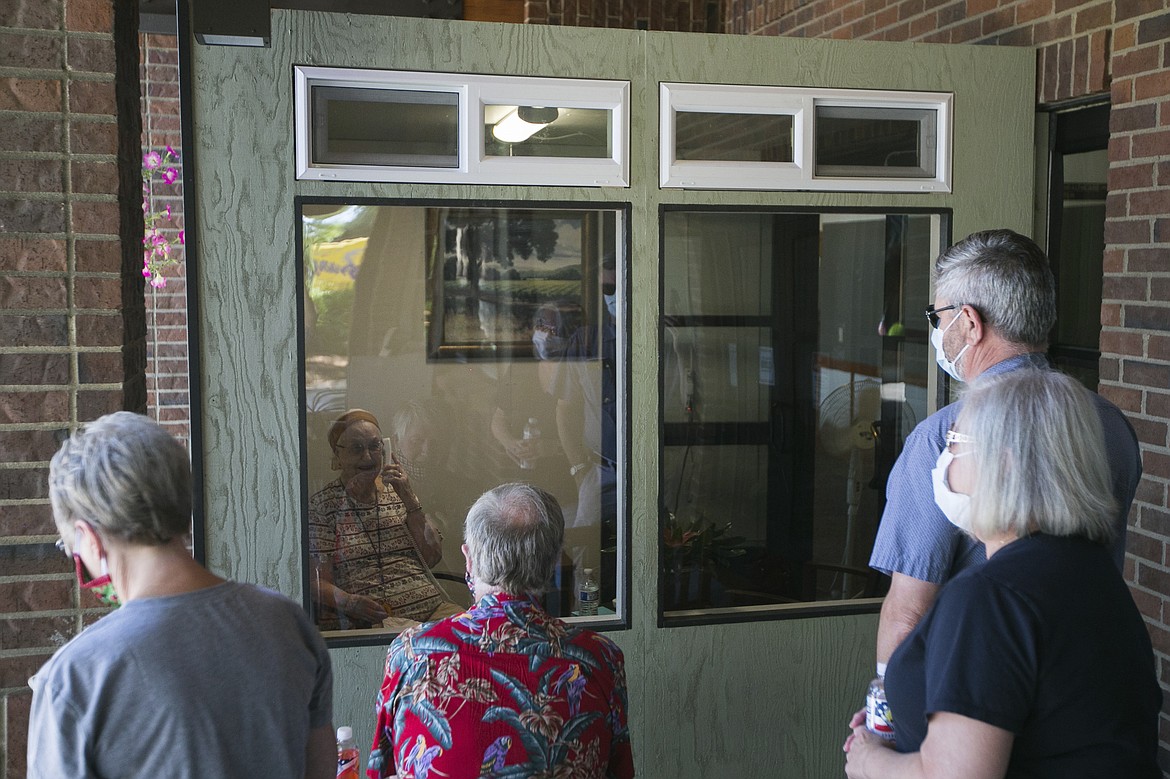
(358, 449)
(932, 313)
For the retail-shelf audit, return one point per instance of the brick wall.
(72, 327)
(676, 15)
(167, 377)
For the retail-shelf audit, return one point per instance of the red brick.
(1150, 431)
(15, 671)
(1154, 29)
(1110, 315)
(38, 52)
(19, 706)
(1133, 118)
(1124, 35)
(1108, 369)
(1158, 347)
(98, 256)
(18, 407)
(89, 15)
(1145, 374)
(92, 97)
(1152, 492)
(1158, 404)
(1125, 288)
(94, 178)
(1119, 231)
(96, 217)
(1158, 581)
(1156, 464)
(32, 292)
(1094, 17)
(37, 632)
(1147, 317)
(93, 137)
(31, 14)
(29, 94)
(27, 519)
(1123, 342)
(1148, 260)
(36, 595)
(24, 484)
(98, 293)
(1151, 145)
(1113, 260)
(28, 368)
(34, 330)
(1145, 547)
(1125, 398)
(1162, 227)
(19, 133)
(27, 446)
(91, 55)
(1098, 62)
(32, 176)
(93, 404)
(1131, 177)
(100, 368)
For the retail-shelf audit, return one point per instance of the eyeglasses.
(358, 449)
(955, 437)
(932, 313)
(60, 544)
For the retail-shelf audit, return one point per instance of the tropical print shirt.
(502, 690)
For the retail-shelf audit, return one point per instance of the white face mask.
(611, 304)
(955, 505)
(547, 345)
(940, 356)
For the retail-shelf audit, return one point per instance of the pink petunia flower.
(151, 160)
(169, 175)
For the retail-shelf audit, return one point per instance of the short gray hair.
(514, 535)
(1004, 276)
(1039, 450)
(126, 477)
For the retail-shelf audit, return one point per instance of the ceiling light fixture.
(521, 124)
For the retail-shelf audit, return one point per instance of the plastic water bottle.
(347, 755)
(879, 720)
(531, 433)
(589, 594)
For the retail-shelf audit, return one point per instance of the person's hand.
(860, 746)
(395, 475)
(520, 449)
(363, 608)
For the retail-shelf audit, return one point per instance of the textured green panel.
(768, 699)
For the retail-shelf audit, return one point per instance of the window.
(1078, 166)
(371, 125)
(794, 362)
(777, 138)
(457, 326)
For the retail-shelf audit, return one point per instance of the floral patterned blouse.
(502, 690)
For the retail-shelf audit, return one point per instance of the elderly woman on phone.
(371, 543)
(1037, 663)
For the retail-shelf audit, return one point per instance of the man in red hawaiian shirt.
(504, 689)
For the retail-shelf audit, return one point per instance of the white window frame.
(800, 104)
(475, 93)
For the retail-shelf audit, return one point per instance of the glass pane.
(457, 327)
(359, 126)
(794, 363)
(733, 137)
(875, 142)
(1076, 338)
(544, 131)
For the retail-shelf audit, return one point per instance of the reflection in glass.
(458, 328)
(875, 142)
(794, 362)
(733, 137)
(545, 131)
(362, 126)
